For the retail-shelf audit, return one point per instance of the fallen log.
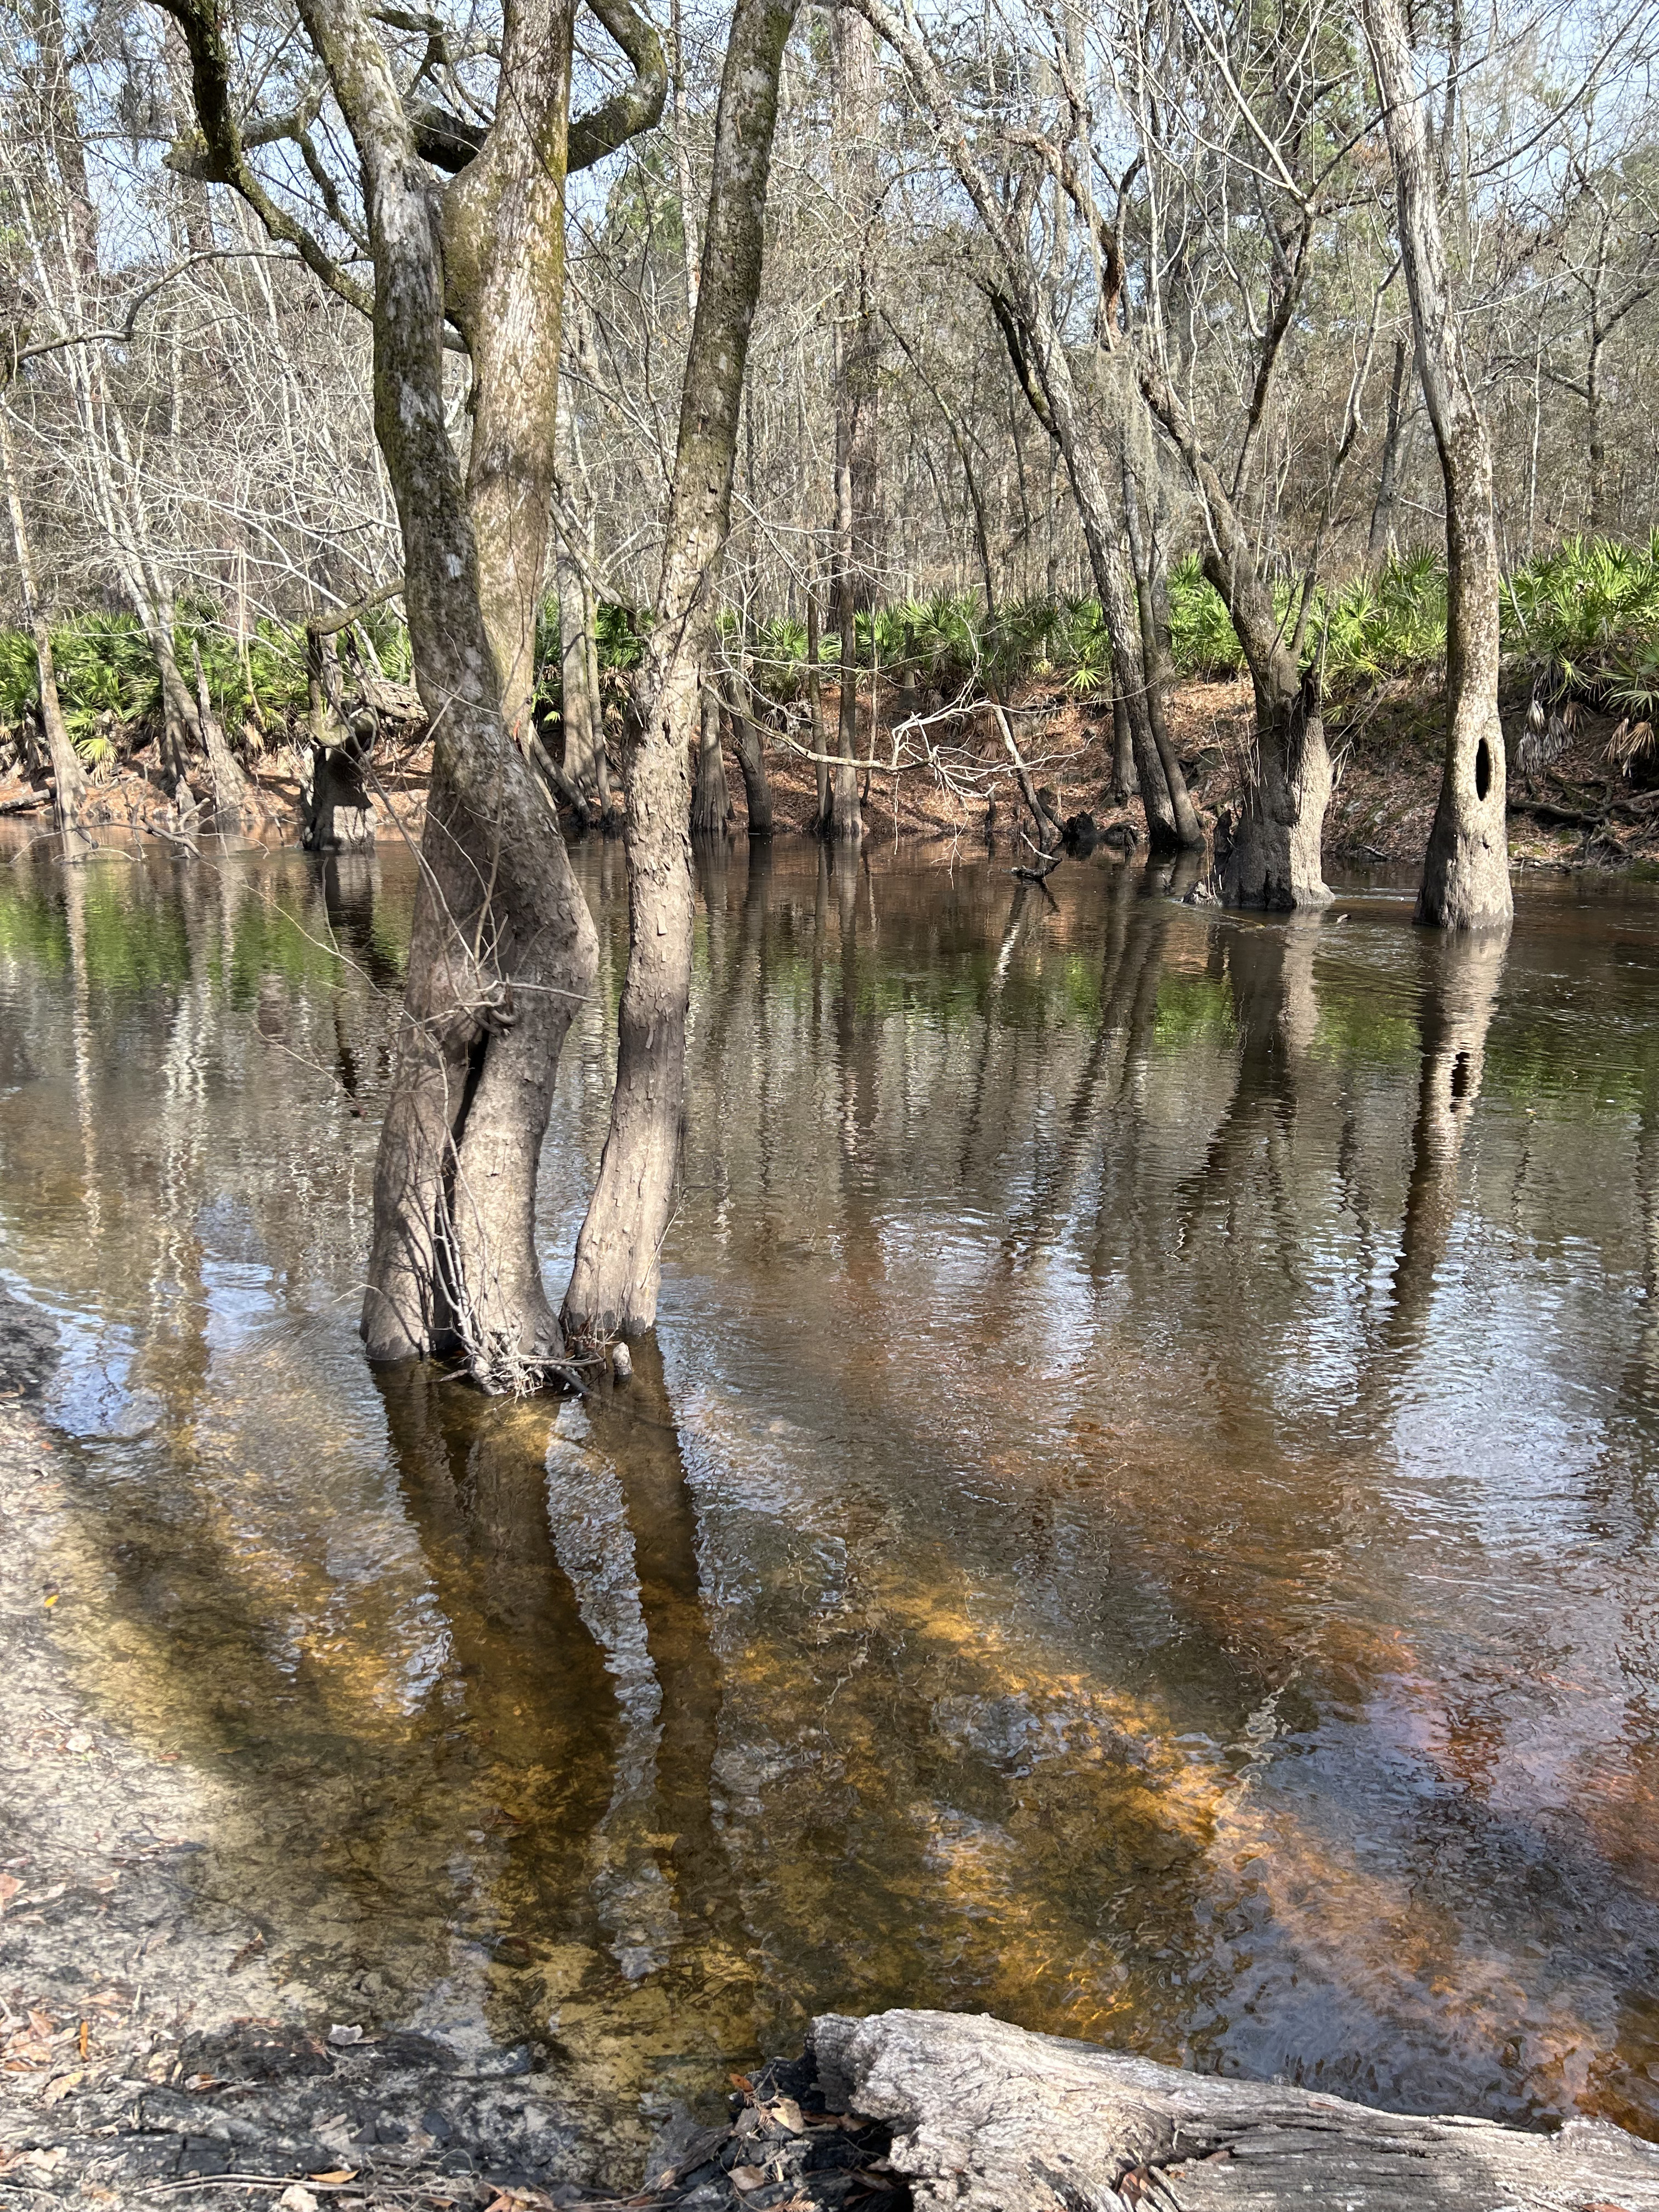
(988, 2117)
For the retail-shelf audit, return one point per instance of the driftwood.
(986, 2118)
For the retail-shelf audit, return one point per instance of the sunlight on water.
(1142, 1519)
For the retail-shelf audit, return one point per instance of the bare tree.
(614, 1281)
(1465, 878)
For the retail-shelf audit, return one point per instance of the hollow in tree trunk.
(1466, 874)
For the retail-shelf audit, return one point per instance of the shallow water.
(1143, 1520)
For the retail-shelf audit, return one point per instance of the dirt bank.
(1386, 745)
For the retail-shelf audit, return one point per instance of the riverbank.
(1386, 745)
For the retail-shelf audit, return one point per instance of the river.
(1140, 1517)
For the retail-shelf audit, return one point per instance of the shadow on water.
(1141, 1519)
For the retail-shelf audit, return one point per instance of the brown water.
(1143, 1520)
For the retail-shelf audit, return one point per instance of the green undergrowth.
(1580, 622)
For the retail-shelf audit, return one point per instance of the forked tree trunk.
(1276, 857)
(614, 1281)
(502, 949)
(711, 801)
(1465, 872)
(69, 778)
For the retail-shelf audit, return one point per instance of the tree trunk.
(69, 778)
(614, 1281)
(1275, 858)
(1382, 529)
(1157, 670)
(751, 759)
(711, 801)
(578, 709)
(988, 2118)
(236, 804)
(502, 948)
(824, 819)
(1465, 878)
(856, 97)
(845, 819)
(1601, 519)
(1123, 758)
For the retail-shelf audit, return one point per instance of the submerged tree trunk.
(502, 949)
(751, 759)
(236, 803)
(711, 801)
(614, 1280)
(1466, 874)
(845, 819)
(69, 778)
(578, 709)
(822, 819)
(1275, 860)
(1123, 758)
(1157, 665)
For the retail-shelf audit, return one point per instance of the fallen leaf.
(748, 2177)
(55, 2092)
(51, 1600)
(9, 1886)
(741, 2081)
(334, 2173)
(784, 2113)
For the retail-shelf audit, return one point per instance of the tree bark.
(988, 2118)
(578, 709)
(614, 1280)
(502, 947)
(845, 820)
(857, 102)
(1123, 758)
(751, 759)
(711, 801)
(1465, 878)
(69, 778)
(1275, 860)
(823, 819)
(236, 804)
(1376, 542)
